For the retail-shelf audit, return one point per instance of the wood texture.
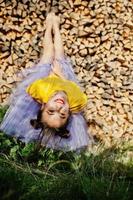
(97, 36)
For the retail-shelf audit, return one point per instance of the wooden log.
(97, 37)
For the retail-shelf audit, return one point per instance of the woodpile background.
(98, 37)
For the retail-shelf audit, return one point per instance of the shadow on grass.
(67, 176)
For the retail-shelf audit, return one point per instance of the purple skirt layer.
(23, 108)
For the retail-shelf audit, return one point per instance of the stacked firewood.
(97, 36)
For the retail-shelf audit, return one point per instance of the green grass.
(41, 174)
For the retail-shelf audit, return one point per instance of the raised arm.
(48, 46)
(53, 47)
(58, 47)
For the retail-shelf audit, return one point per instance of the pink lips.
(60, 101)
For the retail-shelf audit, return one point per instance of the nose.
(60, 108)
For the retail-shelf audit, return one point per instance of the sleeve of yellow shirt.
(80, 103)
(38, 90)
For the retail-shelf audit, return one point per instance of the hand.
(56, 67)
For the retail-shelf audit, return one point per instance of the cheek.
(66, 112)
(49, 104)
(66, 107)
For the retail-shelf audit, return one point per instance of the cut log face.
(97, 36)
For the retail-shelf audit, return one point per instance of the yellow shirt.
(41, 90)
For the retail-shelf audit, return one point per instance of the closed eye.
(63, 116)
(50, 112)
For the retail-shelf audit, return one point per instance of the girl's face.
(56, 111)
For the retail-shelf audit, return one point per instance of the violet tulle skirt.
(23, 108)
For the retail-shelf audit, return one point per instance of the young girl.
(47, 105)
